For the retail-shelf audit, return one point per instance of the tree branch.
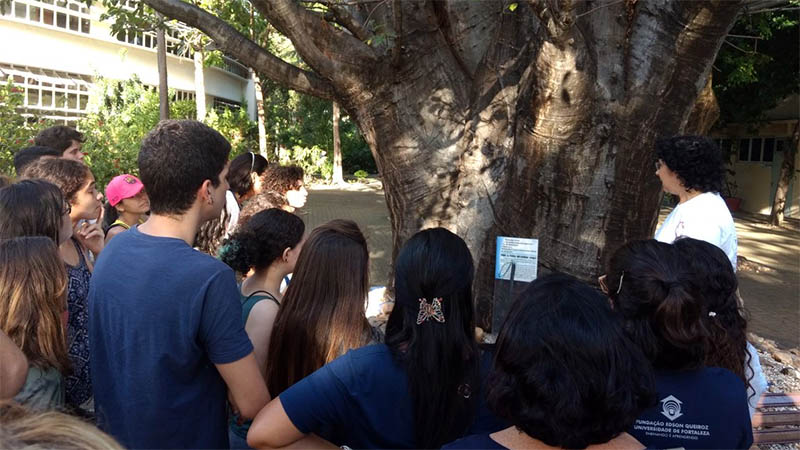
(546, 17)
(237, 45)
(330, 52)
(345, 19)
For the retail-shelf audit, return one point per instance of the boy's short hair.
(59, 137)
(29, 155)
(176, 157)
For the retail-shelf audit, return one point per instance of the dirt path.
(769, 278)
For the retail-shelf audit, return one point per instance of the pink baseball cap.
(122, 187)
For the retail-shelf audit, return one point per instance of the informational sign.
(519, 256)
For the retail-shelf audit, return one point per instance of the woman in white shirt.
(692, 168)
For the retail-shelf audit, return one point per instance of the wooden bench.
(777, 419)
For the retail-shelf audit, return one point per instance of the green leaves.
(513, 7)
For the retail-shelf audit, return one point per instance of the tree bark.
(337, 147)
(199, 85)
(785, 179)
(534, 122)
(705, 112)
(163, 87)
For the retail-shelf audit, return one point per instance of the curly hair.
(58, 138)
(713, 280)
(564, 371)
(260, 202)
(696, 160)
(282, 179)
(658, 311)
(262, 240)
(69, 175)
(240, 169)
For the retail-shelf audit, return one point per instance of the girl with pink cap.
(127, 204)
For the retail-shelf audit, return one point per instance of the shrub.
(314, 161)
(360, 174)
(16, 130)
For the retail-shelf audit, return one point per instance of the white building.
(54, 48)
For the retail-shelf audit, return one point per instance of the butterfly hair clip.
(432, 310)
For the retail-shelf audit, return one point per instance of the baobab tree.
(533, 118)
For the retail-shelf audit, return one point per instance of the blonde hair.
(21, 428)
(33, 283)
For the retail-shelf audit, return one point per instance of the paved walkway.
(771, 290)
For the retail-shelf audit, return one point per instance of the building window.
(60, 96)
(221, 104)
(184, 95)
(759, 149)
(65, 14)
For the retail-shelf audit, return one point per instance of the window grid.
(184, 95)
(220, 104)
(65, 14)
(756, 149)
(50, 94)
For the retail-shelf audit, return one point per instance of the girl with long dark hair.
(322, 312)
(712, 279)
(419, 390)
(705, 407)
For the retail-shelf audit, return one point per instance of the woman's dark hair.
(564, 371)
(440, 358)
(109, 216)
(69, 175)
(322, 313)
(258, 203)
(697, 160)
(262, 240)
(713, 281)
(282, 179)
(29, 155)
(650, 290)
(211, 233)
(175, 159)
(59, 137)
(31, 208)
(240, 169)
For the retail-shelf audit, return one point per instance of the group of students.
(175, 353)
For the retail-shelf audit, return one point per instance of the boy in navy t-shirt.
(166, 335)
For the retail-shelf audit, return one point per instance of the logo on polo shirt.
(671, 407)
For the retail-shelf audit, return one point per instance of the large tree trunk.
(163, 87)
(785, 179)
(337, 147)
(535, 121)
